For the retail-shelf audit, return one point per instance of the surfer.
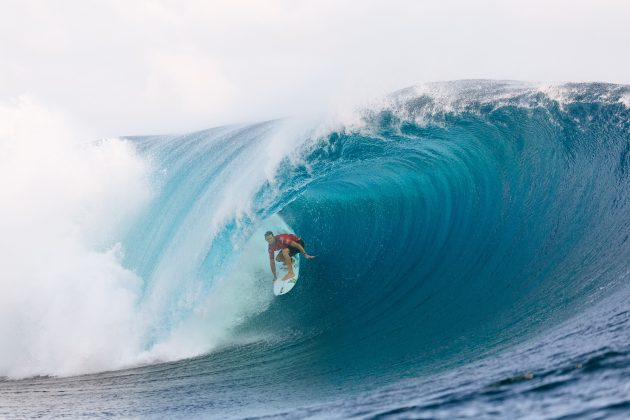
(288, 245)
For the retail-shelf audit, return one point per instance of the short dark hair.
(268, 233)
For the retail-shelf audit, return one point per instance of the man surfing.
(288, 245)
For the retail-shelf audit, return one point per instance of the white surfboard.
(280, 287)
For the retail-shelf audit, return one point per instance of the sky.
(152, 67)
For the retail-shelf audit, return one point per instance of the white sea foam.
(67, 305)
(238, 294)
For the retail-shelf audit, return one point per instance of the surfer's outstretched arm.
(272, 263)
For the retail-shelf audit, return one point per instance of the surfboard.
(280, 287)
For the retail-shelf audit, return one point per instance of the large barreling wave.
(450, 221)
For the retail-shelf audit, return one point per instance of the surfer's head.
(269, 236)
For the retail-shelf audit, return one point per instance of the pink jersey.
(282, 241)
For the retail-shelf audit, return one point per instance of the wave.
(448, 219)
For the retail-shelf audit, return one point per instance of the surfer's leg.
(287, 261)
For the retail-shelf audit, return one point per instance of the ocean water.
(472, 251)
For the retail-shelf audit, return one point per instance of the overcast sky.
(145, 67)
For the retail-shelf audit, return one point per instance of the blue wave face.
(441, 230)
(440, 240)
(449, 222)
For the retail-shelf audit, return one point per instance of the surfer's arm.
(301, 249)
(272, 263)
